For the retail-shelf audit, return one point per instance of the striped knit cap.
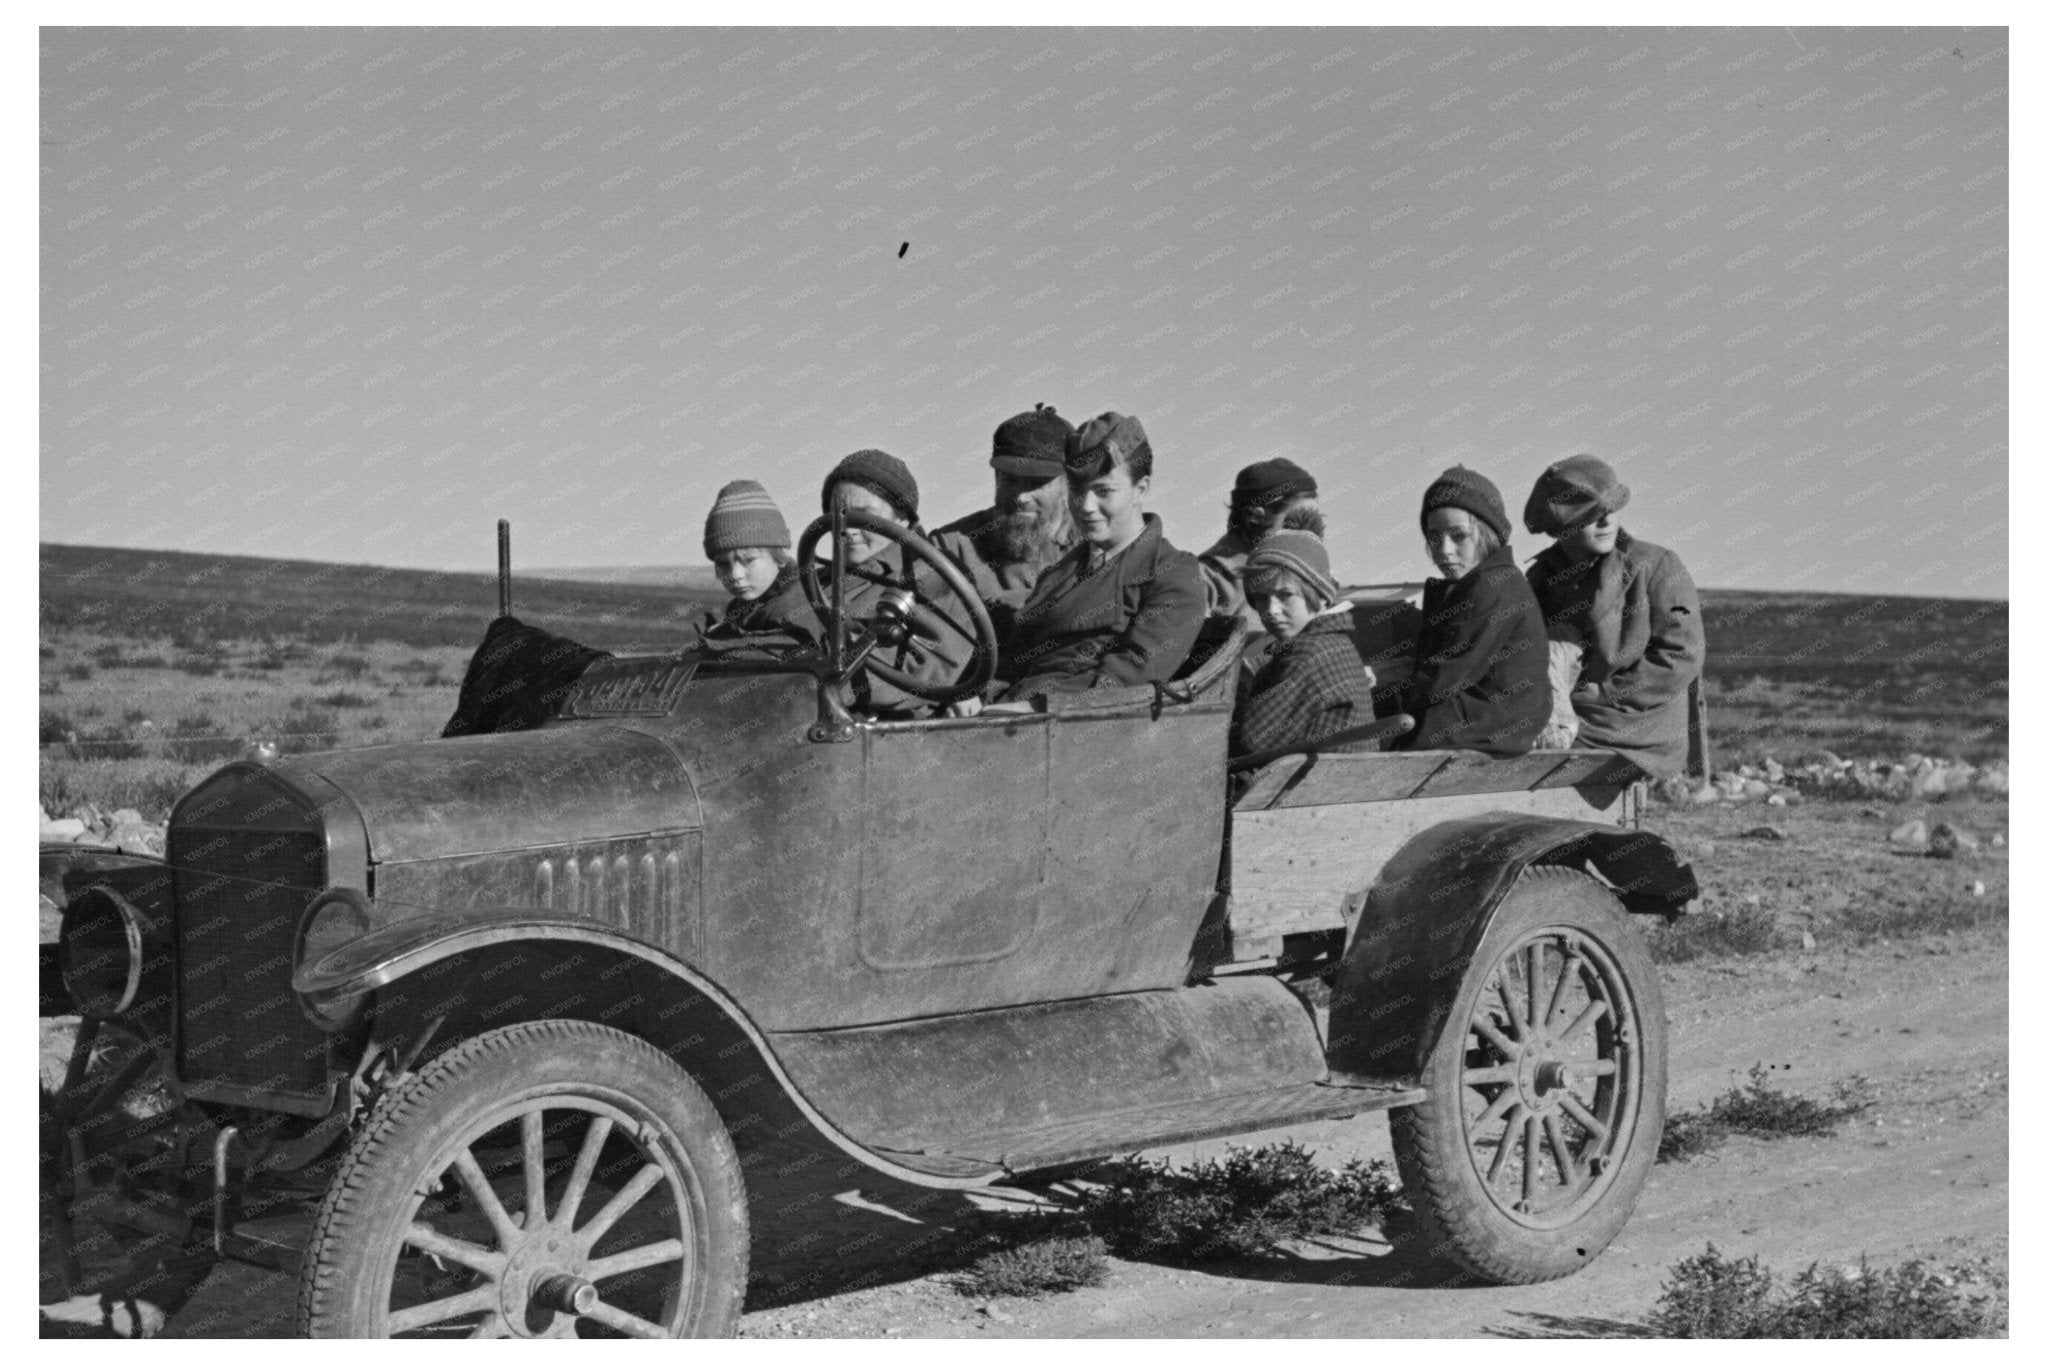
(744, 518)
(1301, 553)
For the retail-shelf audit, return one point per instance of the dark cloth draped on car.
(1127, 622)
(1310, 686)
(1636, 614)
(1482, 673)
(517, 678)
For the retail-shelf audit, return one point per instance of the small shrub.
(1745, 930)
(1759, 1110)
(1048, 1264)
(1244, 1205)
(199, 666)
(1711, 1296)
(374, 722)
(108, 655)
(135, 715)
(55, 728)
(305, 731)
(349, 665)
(78, 672)
(146, 661)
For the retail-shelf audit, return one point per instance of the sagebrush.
(1712, 1296)
(1759, 1109)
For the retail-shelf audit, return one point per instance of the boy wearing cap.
(1630, 611)
(1263, 495)
(1482, 661)
(747, 542)
(1003, 549)
(1123, 606)
(1312, 683)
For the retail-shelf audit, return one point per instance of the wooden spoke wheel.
(552, 1179)
(1546, 1089)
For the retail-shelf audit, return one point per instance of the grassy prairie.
(1864, 677)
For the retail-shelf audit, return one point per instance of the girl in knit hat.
(1623, 619)
(1482, 663)
(747, 542)
(939, 647)
(1312, 683)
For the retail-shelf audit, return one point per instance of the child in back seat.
(1312, 684)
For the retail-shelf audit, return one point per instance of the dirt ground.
(1923, 1173)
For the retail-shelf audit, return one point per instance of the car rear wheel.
(1546, 1090)
(549, 1179)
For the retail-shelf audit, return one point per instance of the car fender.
(392, 952)
(1425, 915)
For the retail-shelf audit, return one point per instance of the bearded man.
(1004, 548)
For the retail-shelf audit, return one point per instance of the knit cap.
(1299, 550)
(1271, 481)
(744, 518)
(881, 474)
(1032, 444)
(1473, 492)
(1101, 444)
(1572, 492)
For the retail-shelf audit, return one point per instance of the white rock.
(63, 830)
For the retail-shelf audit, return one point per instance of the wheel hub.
(542, 1273)
(1541, 1081)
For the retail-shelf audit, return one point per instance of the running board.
(1103, 1135)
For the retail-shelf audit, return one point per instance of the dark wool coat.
(517, 678)
(1482, 669)
(1636, 613)
(1130, 621)
(940, 646)
(782, 610)
(1310, 686)
(1004, 585)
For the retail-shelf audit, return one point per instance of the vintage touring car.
(535, 986)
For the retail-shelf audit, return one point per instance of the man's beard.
(1021, 535)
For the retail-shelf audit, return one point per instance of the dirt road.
(841, 1253)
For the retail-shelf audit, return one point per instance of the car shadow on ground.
(1552, 1326)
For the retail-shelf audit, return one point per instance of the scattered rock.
(1775, 799)
(1998, 841)
(1912, 834)
(1768, 832)
(1754, 788)
(1806, 941)
(1706, 795)
(1951, 841)
(62, 831)
(1977, 888)
(127, 815)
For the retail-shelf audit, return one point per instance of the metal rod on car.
(504, 567)
(1357, 734)
(836, 647)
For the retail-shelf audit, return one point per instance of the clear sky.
(352, 295)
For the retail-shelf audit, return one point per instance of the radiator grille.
(241, 892)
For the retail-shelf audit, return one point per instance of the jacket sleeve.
(1161, 632)
(1221, 591)
(1677, 646)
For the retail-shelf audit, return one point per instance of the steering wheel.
(980, 668)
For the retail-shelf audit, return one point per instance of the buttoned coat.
(1482, 671)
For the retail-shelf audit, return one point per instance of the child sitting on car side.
(1312, 684)
(747, 542)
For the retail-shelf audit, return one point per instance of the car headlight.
(337, 916)
(100, 950)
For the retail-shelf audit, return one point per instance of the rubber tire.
(1456, 1225)
(356, 1234)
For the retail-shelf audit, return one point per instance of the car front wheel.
(548, 1179)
